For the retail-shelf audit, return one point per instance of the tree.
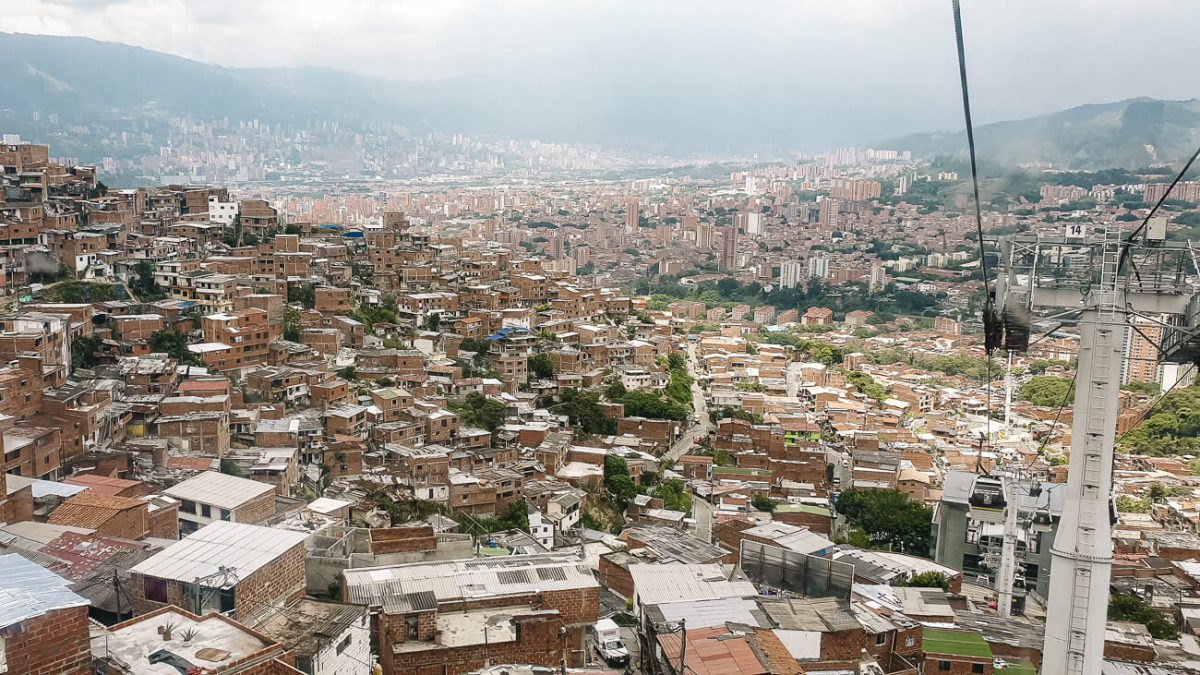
(478, 410)
(303, 294)
(866, 385)
(143, 284)
(1047, 390)
(174, 344)
(585, 414)
(84, 351)
(434, 321)
(230, 467)
(889, 518)
(291, 324)
(614, 465)
(1173, 429)
(651, 405)
(517, 515)
(541, 366)
(929, 580)
(675, 496)
(477, 347)
(622, 488)
(348, 373)
(763, 503)
(676, 361)
(1127, 504)
(1132, 608)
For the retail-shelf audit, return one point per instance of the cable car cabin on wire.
(987, 500)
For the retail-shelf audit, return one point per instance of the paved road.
(702, 426)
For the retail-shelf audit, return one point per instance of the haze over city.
(599, 338)
(814, 74)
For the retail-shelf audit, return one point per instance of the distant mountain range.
(83, 80)
(1133, 133)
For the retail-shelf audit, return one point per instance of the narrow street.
(700, 405)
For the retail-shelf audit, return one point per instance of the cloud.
(886, 63)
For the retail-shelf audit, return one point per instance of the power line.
(1146, 414)
(989, 308)
(1138, 230)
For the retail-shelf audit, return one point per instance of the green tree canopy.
(763, 503)
(1173, 429)
(1047, 390)
(173, 343)
(478, 410)
(584, 411)
(929, 580)
(675, 496)
(889, 518)
(1132, 608)
(541, 366)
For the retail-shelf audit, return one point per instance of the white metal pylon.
(1106, 279)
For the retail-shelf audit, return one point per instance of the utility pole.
(117, 593)
(1105, 281)
(682, 643)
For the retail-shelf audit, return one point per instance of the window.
(943, 665)
(187, 506)
(910, 641)
(155, 589)
(976, 667)
(344, 644)
(224, 514)
(410, 627)
(206, 510)
(881, 639)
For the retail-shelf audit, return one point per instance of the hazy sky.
(1025, 56)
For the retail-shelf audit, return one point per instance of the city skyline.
(877, 69)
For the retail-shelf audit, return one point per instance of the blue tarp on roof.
(352, 235)
(329, 226)
(505, 332)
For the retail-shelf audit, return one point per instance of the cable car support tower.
(1105, 277)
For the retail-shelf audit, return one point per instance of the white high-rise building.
(818, 267)
(754, 226)
(791, 274)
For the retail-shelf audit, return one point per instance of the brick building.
(123, 517)
(43, 624)
(243, 569)
(455, 616)
(211, 496)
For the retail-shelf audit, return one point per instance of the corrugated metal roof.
(244, 548)
(662, 583)
(28, 590)
(44, 488)
(218, 489)
(709, 613)
(460, 579)
(791, 537)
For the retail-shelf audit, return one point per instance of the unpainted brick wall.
(55, 643)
